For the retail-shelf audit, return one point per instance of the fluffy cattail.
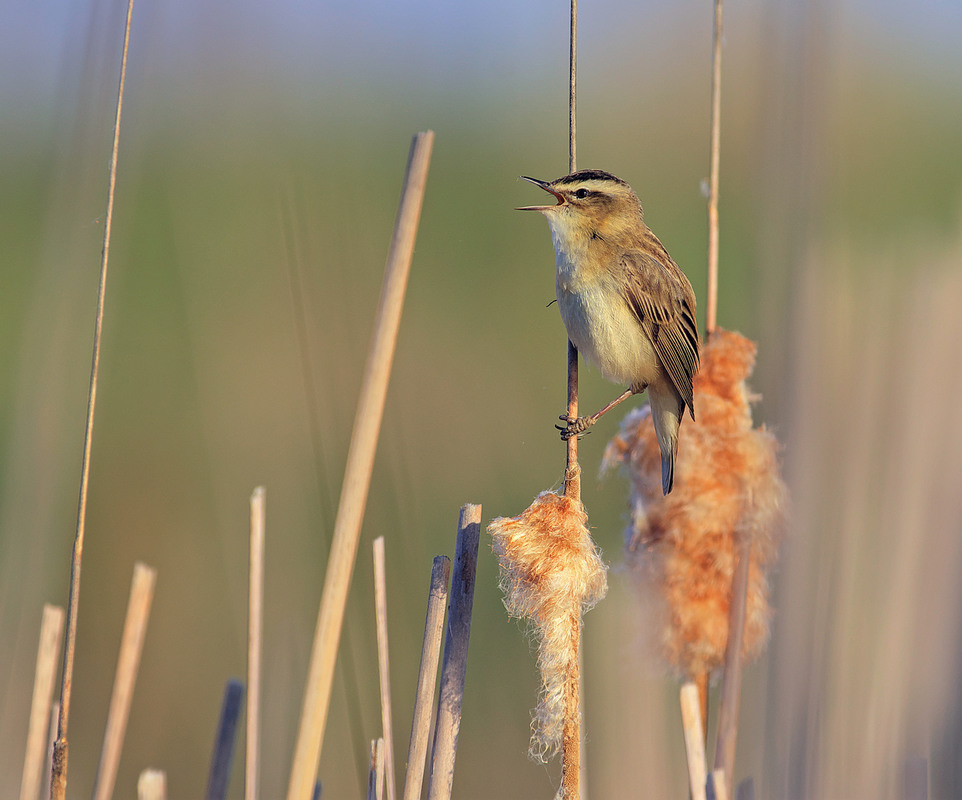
(551, 573)
(680, 547)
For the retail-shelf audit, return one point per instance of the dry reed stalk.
(152, 785)
(357, 475)
(51, 629)
(128, 663)
(383, 663)
(572, 480)
(731, 688)
(223, 755)
(713, 171)
(375, 779)
(58, 783)
(551, 573)
(694, 740)
(455, 661)
(255, 621)
(717, 785)
(731, 692)
(427, 675)
(51, 741)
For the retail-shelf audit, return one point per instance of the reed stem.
(357, 475)
(427, 677)
(58, 783)
(128, 663)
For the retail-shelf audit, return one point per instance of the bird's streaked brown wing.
(662, 298)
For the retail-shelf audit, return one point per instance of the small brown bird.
(627, 306)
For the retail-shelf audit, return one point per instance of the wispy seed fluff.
(551, 573)
(680, 548)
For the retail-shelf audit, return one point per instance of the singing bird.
(625, 303)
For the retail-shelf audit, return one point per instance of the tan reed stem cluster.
(551, 573)
(681, 548)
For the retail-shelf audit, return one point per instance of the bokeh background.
(261, 159)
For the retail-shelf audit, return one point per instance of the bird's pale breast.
(606, 331)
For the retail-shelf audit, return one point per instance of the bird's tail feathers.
(666, 410)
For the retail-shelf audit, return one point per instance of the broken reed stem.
(715, 152)
(152, 785)
(572, 485)
(48, 762)
(375, 778)
(701, 681)
(255, 619)
(58, 788)
(427, 676)
(694, 740)
(717, 785)
(128, 662)
(357, 475)
(455, 662)
(223, 756)
(51, 630)
(383, 663)
(732, 686)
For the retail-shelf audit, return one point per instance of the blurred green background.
(261, 158)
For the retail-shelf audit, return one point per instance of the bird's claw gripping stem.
(574, 427)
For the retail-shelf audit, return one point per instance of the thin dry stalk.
(152, 785)
(58, 787)
(427, 675)
(571, 728)
(383, 663)
(694, 740)
(717, 785)
(455, 661)
(223, 755)
(255, 619)
(712, 300)
(572, 483)
(731, 689)
(357, 475)
(51, 740)
(128, 662)
(375, 779)
(51, 629)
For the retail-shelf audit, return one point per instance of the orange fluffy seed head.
(551, 573)
(680, 548)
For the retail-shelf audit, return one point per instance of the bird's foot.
(574, 427)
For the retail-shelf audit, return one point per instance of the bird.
(627, 306)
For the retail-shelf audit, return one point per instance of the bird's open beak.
(547, 187)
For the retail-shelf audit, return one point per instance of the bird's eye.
(582, 193)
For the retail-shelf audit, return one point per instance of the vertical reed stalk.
(572, 485)
(58, 786)
(455, 662)
(715, 153)
(427, 675)
(375, 778)
(731, 689)
(152, 785)
(384, 663)
(223, 756)
(357, 475)
(694, 740)
(128, 663)
(255, 620)
(51, 629)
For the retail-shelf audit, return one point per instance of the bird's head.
(591, 204)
